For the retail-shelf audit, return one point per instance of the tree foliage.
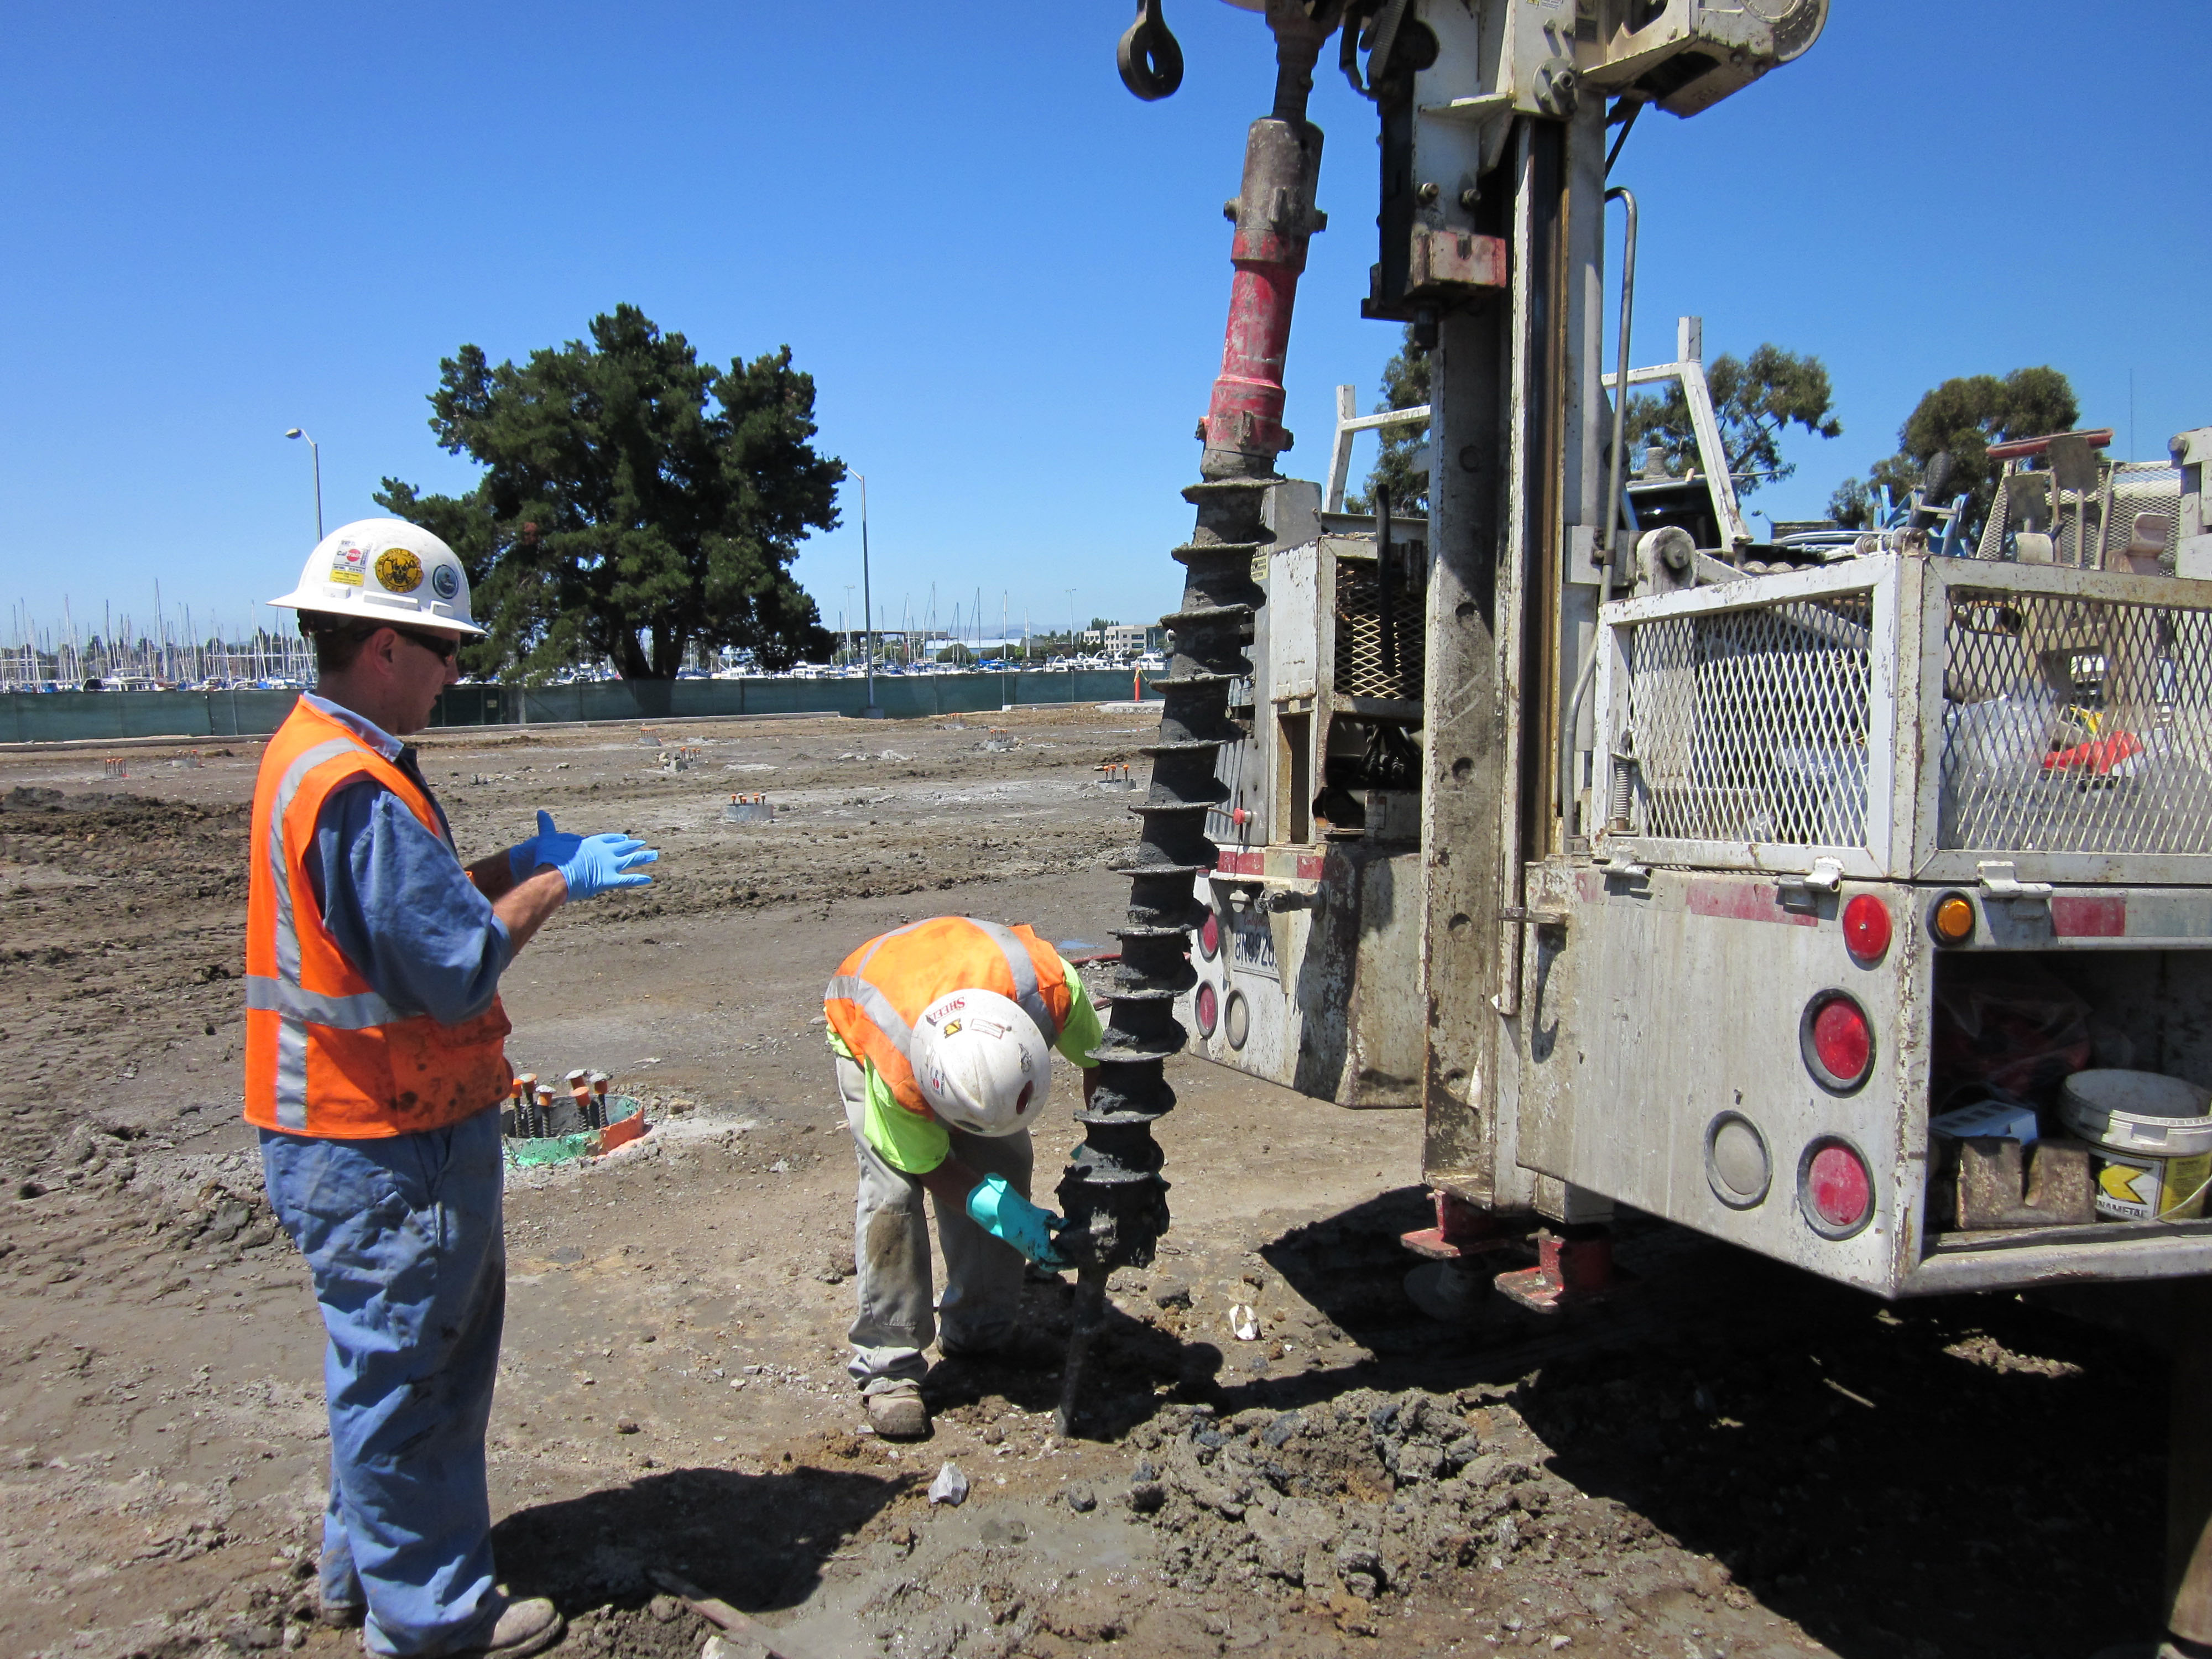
(634, 502)
(1963, 416)
(1405, 385)
(1755, 399)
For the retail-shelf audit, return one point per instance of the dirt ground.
(1727, 1459)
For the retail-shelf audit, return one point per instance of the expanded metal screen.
(2076, 725)
(1751, 725)
(2087, 531)
(1361, 668)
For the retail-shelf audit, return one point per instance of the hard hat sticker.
(347, 578)
(951, 1026)
(398, 570)
(445, 582)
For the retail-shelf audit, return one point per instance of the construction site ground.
(1726, 1458)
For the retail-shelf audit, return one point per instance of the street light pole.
(317, 452)
(867, 605)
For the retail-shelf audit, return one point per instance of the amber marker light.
(1952, 919)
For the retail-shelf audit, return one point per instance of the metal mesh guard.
(1360, 669)
(2076, 725)
(2133, 487)
(1751, 726)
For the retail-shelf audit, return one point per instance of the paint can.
(2153, 1136)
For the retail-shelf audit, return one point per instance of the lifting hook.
(1150, 59)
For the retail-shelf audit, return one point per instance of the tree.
(1754, 401)
(634, 502)
(1405, 385)
(1962, 417)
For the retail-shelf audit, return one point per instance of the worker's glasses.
(443, 646)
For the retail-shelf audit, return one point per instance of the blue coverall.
(404, 1238)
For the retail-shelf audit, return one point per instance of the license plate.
(1252, 945)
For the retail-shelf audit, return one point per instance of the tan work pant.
(890, 1251)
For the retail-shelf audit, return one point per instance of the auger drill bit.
(1112, 1192)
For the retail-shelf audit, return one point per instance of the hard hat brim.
(368, 611)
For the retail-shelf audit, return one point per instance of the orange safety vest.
(325, 1055)
(881, 989)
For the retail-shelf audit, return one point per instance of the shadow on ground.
(1957, 1476)
(757, 1541)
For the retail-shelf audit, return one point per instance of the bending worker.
(375, 1066)
(943, 1033)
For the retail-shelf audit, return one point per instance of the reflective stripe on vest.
(877, 1007)
(1025, 979)
(360, 1012)
(854, 987)
(326, 1054)
(292, 1029)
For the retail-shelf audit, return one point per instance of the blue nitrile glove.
(1005, 1214)
(603, 861)
(549, 846)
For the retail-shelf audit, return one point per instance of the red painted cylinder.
(1275, 221)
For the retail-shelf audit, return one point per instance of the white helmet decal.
(980, 1061)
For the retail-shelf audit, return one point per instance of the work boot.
(525, 1628)
(897, 1412)
(340, 1615)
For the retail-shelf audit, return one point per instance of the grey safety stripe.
(1026, 991)
(291, 1024)
(288, 932)
(359, 1013)
(291, 1075)
(878, 1007)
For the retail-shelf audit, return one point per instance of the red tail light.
(1206, 1005)
(1209, 936)
(1209, 1008)
(1835, 1190)
(1866, 929)
(1836, 1040)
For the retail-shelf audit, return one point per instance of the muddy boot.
(896, 1412)
(526, 1627)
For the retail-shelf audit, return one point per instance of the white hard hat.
(386, 570)
(981, 1062)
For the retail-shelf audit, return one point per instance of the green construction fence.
(100, 716)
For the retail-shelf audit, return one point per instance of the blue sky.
(1006, 275)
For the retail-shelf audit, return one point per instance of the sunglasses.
(442, 646)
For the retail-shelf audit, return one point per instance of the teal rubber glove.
(549, 846)
(1005, 1214)
(600, 862)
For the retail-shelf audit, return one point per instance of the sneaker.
(897, 1412)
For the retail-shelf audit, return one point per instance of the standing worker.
(944, 1032)
(375, 1066)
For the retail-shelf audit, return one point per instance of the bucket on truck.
(2153, 1139)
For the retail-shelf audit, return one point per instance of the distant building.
(1122, 639)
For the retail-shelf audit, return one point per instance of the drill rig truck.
(1657, 867)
